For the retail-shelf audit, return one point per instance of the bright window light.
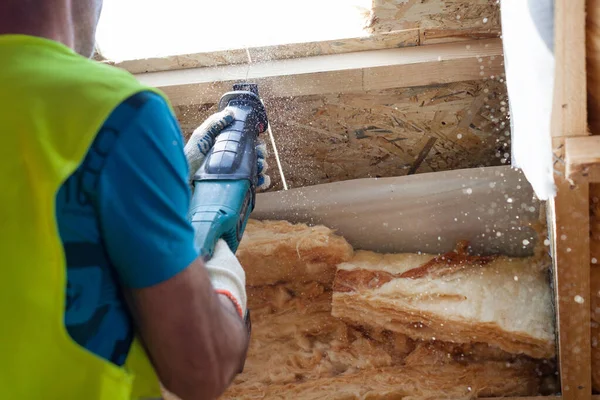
(135, 29)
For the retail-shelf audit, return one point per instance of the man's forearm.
(195, 337)
(239, 330)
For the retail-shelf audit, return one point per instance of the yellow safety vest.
(52, 104)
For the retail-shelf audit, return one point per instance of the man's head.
(85, 15)
(71, 22)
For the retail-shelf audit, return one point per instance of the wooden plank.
(437, 36)
(340, 73)
(583, 158)
(535, 398)
(571, 255)
(569, 211)
(538, 398)
(170, 396)
(593, 64)
(570, 98)
(376, 41)
(595, 226)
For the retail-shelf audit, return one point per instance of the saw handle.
(220, 210)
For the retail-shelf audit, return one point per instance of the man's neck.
(24, 17)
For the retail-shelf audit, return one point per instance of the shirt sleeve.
(143, 195)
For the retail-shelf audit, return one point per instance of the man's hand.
(203, 139)
(229, 280)
(264, 180)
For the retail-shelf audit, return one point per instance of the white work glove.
(203, 139)
(227, 276)
(264, 180)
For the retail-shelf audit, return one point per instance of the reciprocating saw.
(225, 184)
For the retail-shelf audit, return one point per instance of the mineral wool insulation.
(330, 322)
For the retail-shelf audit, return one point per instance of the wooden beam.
(537, 398)
(530, 398)
(571, 255)
(583, 159)
(376, 41)
(339, 73)
(593, 64)
(442, 35)
(569, 210)
(570, 90)
(169, 396)
(595, 397)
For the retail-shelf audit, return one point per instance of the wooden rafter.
(338, 73)
(375, 41)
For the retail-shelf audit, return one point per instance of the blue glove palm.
(203, 139)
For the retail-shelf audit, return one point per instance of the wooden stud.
(570, 89)
(571, 254)
(593, 64)
(569, 210)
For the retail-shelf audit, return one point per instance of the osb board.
(383, 133)
(439, 20)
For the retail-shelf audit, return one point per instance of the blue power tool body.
(225, 184)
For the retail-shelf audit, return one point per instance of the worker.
(97, 251)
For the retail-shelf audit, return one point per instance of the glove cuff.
(227, 276)
(226, 281)
(236, 303)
